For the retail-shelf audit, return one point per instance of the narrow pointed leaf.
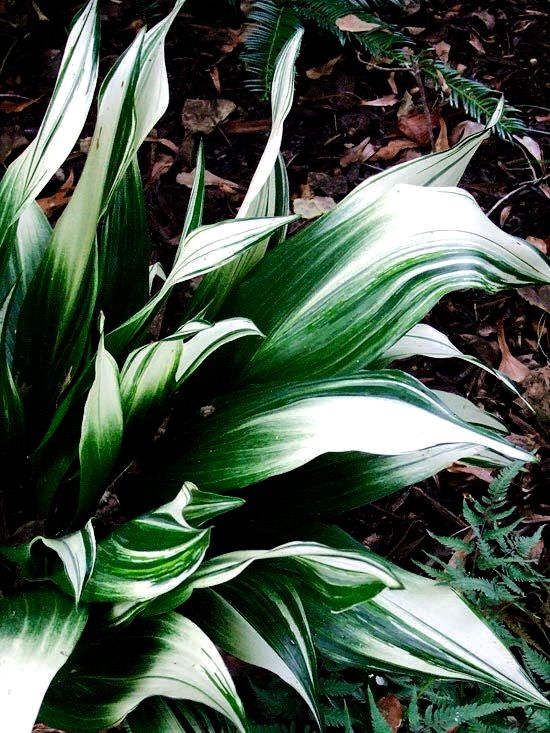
(193, 216)
(203, 506)
(263, 624)
(101, 436)
(147, 556)
(261, 432)
(38, 631)
(110, 674)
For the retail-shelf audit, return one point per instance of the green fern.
(272, 22)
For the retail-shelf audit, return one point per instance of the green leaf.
(124, 251)
(259, 618)
(148, 556)
(335, 296)
(174, 716)
(38, 630)
(111, 673)
(263, 431)
(101, 436)
(63, 121)
(379, 723)
(267, 194)
(193, 216)
(203, 506)
(423, 627)
(13, 417)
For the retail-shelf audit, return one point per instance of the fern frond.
(538, 664)
(450, 717)
(477, 100)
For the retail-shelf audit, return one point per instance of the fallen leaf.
(415, 30)
(336, 185)
(215, 76)
(442, 142)
(10, 139)
(406, 105)
(204, 115)
(530, 145)
(391, 82)
(509, 365)
(504, 214)
(352, 24)
(442, 51)
(536, 390)
(542, 118)
(539, 297)
(484, 474)
(392, 711)
(59, 199)
(316, 72)
(210, 179)
(388, 101)
(486, 18)
(358, 154)
(464, 129)
(476, 43)
(393, 148)
(13, 103)
(161, 165)
(416, 127)
(246, 127)
(314, 207)
(540, 244)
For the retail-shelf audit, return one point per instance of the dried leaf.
(464, 129)
(358, 154)
(352, 24)
(442, 142)
(316, 72)
(391, 709)
(161, 165)
(540, 244)
(59, 199)
(539, 297)
(483, 474)
(203, 115)
(509, 365)
(504, 214)
(314, 207)
(246, 127)
(215, 76)
(536, 390)
(442, 51)
(210, 179)
(476, 43)
(406, 105)
(530, 145)
(416, 127)
(486, 18)
(10, 139)
(388, 101)
(13, 103)
(393, 148)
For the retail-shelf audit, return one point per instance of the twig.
(515, 191)
(427, 114)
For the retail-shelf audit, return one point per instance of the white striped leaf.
(264, 624)
(11, 408)
(38, 630)
(193, 215)
(334, 297)
(101, 435)
(263, 431)
(133, 96)
(174, 716)
(110, 674)
(62, 123)
(422, 627)
(267, 194)
(425, 340)
(203, 506)
(147, 556)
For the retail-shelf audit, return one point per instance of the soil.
(501, 43)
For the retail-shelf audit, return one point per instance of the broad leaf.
(423, 627)
(38, 630)
(111, 673)
(147, 556)
(203, 506)
(163, 716)
(335, 296)
(263, 624)
(264, 431)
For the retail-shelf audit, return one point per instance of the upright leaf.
(111, 673)
(38, 630)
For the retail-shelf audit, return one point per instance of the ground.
(348, 121)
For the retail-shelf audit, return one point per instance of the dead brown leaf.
(442, 51)
(504, 214)
(464, 129)
(530, 145)
(387, 101)
(13, 103)
(204, 115)
(59, 199)
(393, 148)
(352, 24)
(215, 76)
(10, 139)
(476, 43)
(486, 18)
(358, 154)
(509, 365)
(316, 72)
(415, 126)
(483, 474)
(536, 390)
(539, 297)
(311, 208)
(442, 142)
(161, 165)
(540, 244)
(391, 710)
(210, 179)
(246, 127)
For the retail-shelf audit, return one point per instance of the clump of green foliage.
(103, 624)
